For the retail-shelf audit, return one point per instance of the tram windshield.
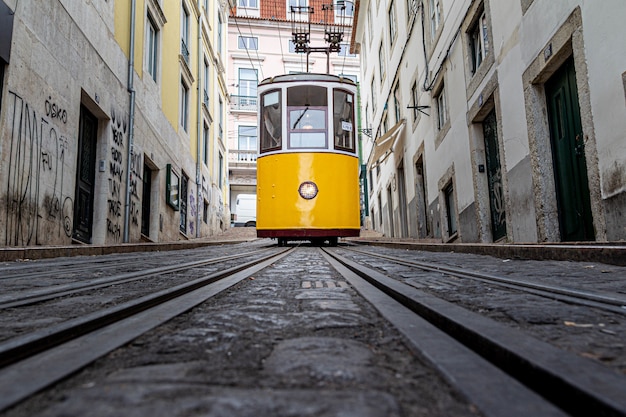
(307, 107)
(271, 121)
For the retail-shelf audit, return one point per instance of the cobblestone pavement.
(294, 340)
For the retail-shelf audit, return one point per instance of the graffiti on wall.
(136, 177)
(37, 205)
(119, 128)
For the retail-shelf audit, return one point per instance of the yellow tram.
(307, 166)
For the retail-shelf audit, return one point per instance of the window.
(152, 38)
(219, 34)
(344, 50)
(347, 11)
(184, 105)
(442, 110)
(248, 42)
(292, 47)
(184, 182)
(448, 193)
(205, 212)
(434, 7)
(343, 120)
(172, 184)
(271, 121)
(414, 93)
(370, 19)
(381, 62)
(205, 142)
(296, 3)
(247, 82)
(221, 120)
(393, 28)
(307, 107)
(205, 99)
(221, 170)
(478, 42)
(396, 102)
(184, 34)
(250, 4)
(247, 142)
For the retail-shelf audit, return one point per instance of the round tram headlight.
(308, 190)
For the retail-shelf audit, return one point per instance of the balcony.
(184, 51)
(242, 158)
(243, 103)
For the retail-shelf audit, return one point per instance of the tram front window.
(271, 121)
(307, 128)
(307, 107)
(343, 120)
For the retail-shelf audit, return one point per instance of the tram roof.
(306, 76)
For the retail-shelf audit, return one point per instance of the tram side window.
(271, 121)
(343, 120)
(307, 107)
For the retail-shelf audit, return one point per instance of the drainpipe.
(131, 118)
(199, 129)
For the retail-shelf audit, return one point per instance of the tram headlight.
(307, 190)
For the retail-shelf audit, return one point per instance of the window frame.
(292, 130)
(434, 17)
(184, 105)
(442, 107)
(250, 43)
(478, 46)
(352, 147)
(262, 137)
(393, 23)
(152, 40)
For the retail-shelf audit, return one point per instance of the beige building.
(112, 121)
(495, 120)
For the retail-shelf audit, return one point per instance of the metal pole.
(131, 118)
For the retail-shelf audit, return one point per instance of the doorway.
(85, 174)
(494, 177)
(568, 155)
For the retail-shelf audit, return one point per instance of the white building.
(495, 120)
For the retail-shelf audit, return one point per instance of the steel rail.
(19, 348)
(575, 384)
(38, 295)
(69, 348)
(609, 302)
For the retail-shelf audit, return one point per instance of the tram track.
(578, 386)
(31, 362)
(27, 297)
(614, 303)
(501, 370)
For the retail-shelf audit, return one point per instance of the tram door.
(568, 154)
(494, 177)
(85, 174)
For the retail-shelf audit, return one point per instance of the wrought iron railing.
(184, 51)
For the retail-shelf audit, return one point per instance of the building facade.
(112, 121)
(260, 43)
(495, 120)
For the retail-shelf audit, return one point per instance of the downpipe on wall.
(131, 118)
(199, 128)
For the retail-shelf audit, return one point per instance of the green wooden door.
(568, 154)
(494, 177)
(85, 174)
